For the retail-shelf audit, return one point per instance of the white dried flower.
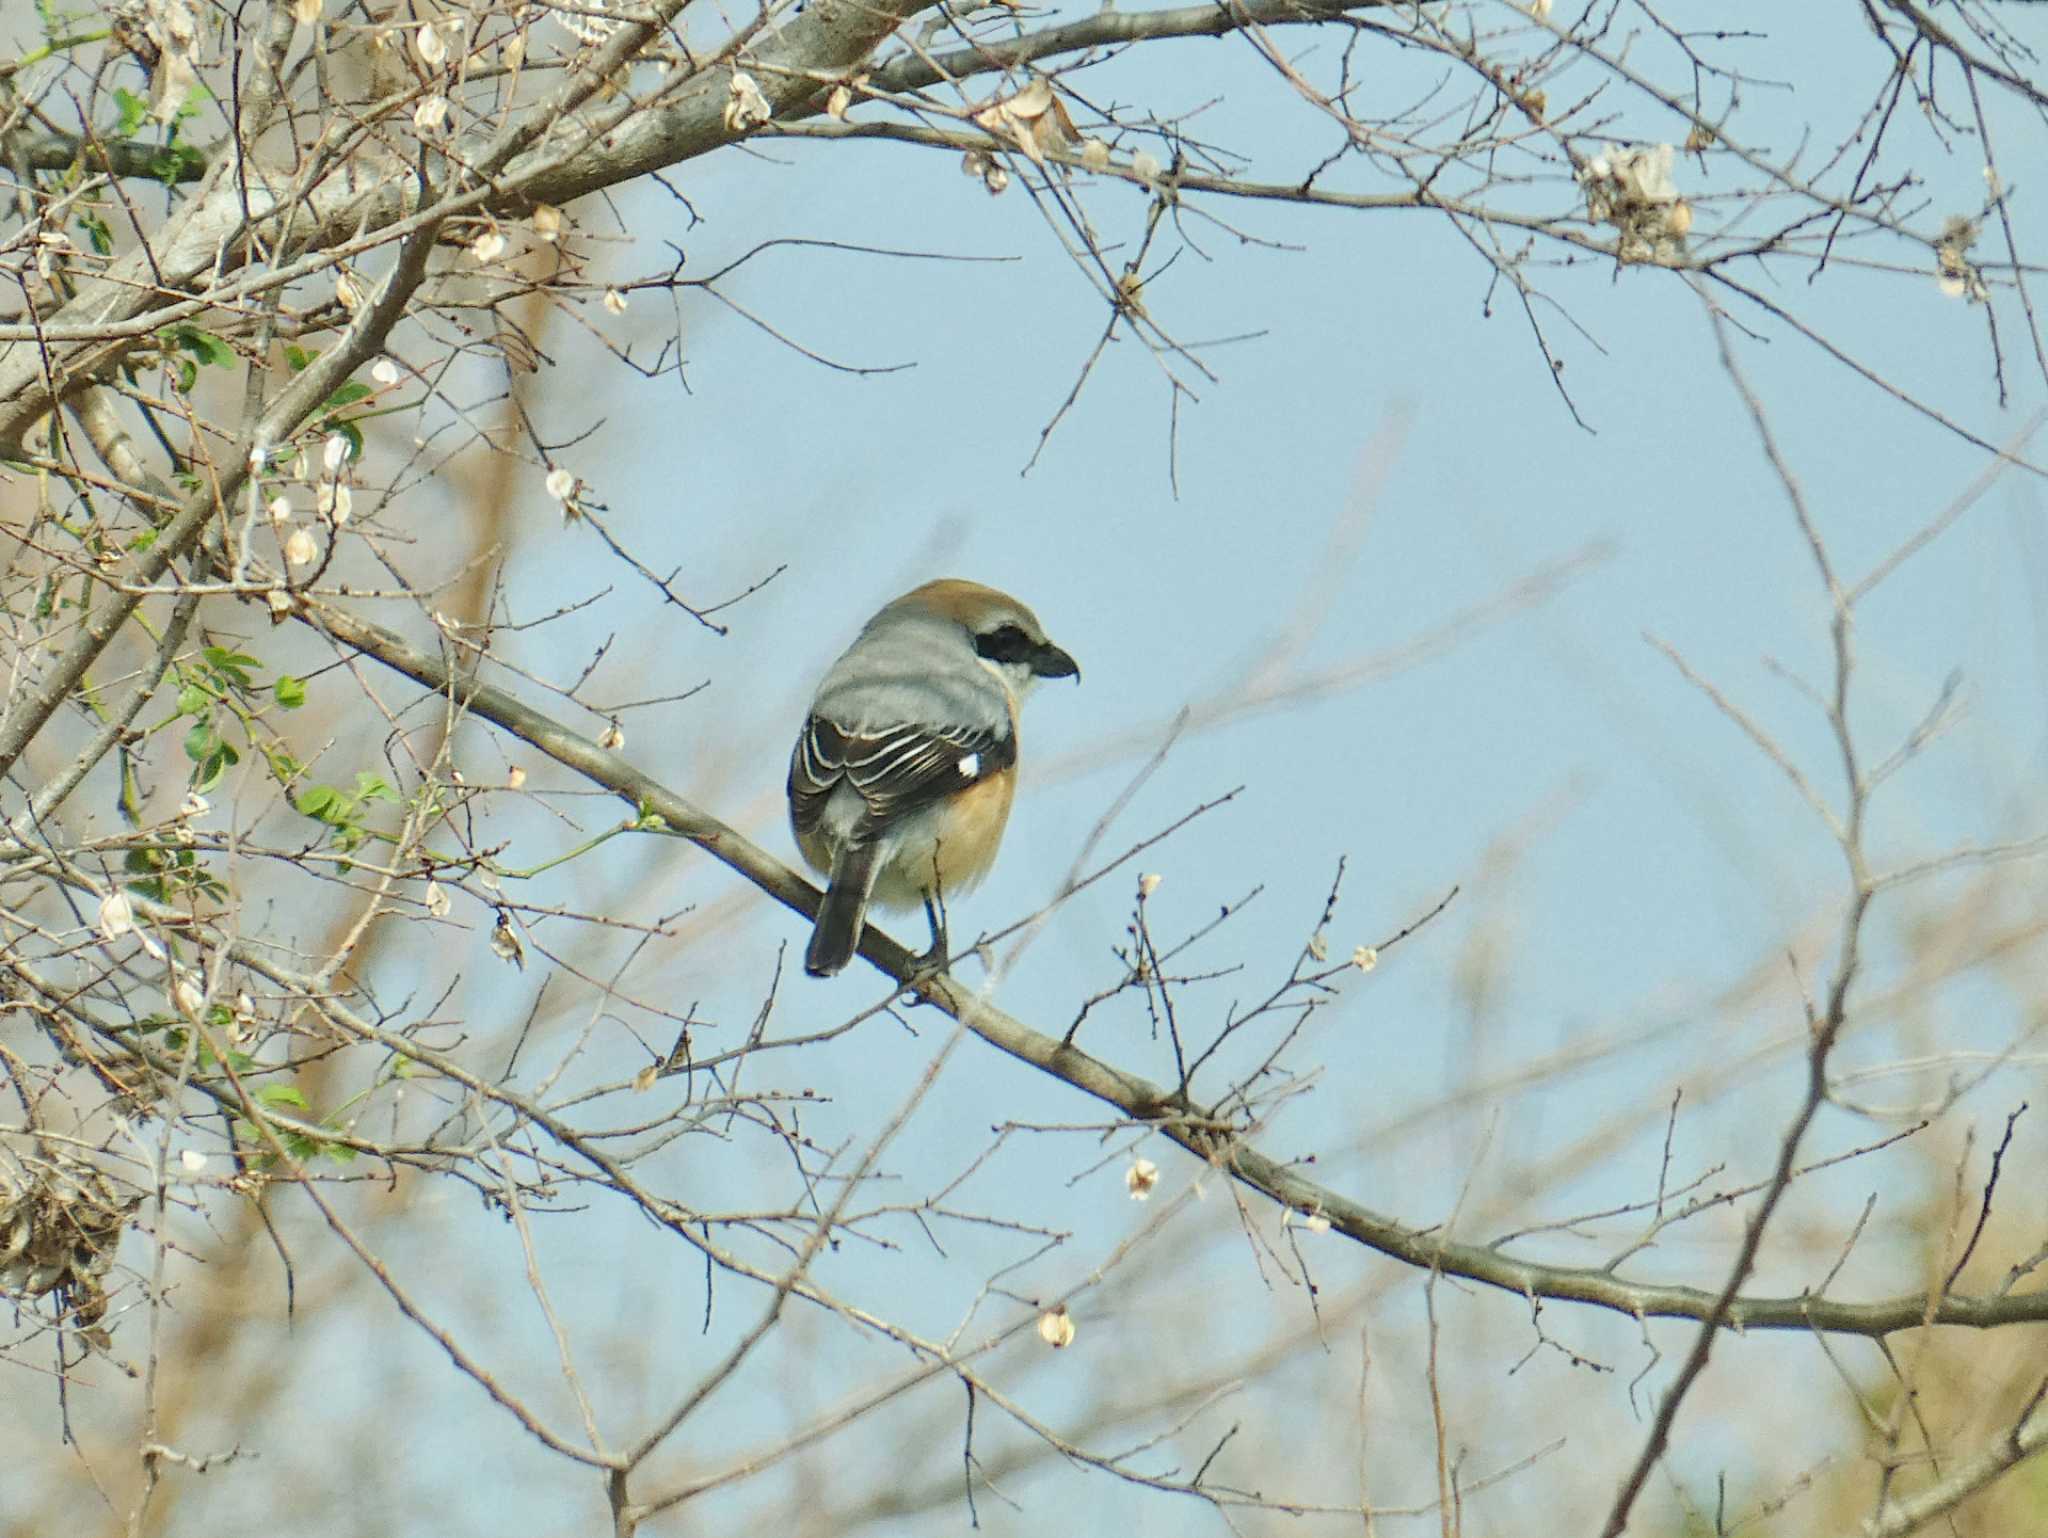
(1319, 946)
(192, 1159)
(385, 372)
(1056, 1328)
(547, 222)
(280, 510)
(117, 916)
(612, 738)
(334, 452)
(1145, 166)
(515, 778)
(194, 805)
(436, 900)
(431, 115)
(1954, 271)
(614, 301)
(488, 247)
(189, 997)
(1140, 1179)
(430, 45)
(1095, 154)
(561, 484)
(745, 107)
(333, 501)
(1149, 883)
(997, 179)
(1365, 958)
(301, 549)
(280, 604)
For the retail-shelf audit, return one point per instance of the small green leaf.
(290, 692)
(200, 741)
(217, 763)
(282, 1094)
(319, 801)
(296, 357)
(348, 395)
(371, 787)
(209, 349)
(133, 110)
(194, 701)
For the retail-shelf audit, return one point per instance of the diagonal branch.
(1107, 28)
(1144, 1101)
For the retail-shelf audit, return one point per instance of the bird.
(901, 779)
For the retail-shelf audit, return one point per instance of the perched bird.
(902, 777)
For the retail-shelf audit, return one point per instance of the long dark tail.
(844, 909)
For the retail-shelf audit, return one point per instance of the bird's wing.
(896, 769)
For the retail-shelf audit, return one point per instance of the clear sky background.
(1383, 452)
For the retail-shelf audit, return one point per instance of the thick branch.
(1140, 1099)
(1107, 28)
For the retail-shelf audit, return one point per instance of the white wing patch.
(970, 765)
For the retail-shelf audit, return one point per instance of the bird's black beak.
(1050, 662)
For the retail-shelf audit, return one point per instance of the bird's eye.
(1006, 643)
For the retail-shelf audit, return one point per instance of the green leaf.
(320, 801)
(215, 767)
(348, 395)
(282, 1094)
(296, 357)
(200, 741)
(194, 701)
(371, 787)
(290, 692)
(209, 349)
(133, 110)
(173, 164)
(97, 232)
